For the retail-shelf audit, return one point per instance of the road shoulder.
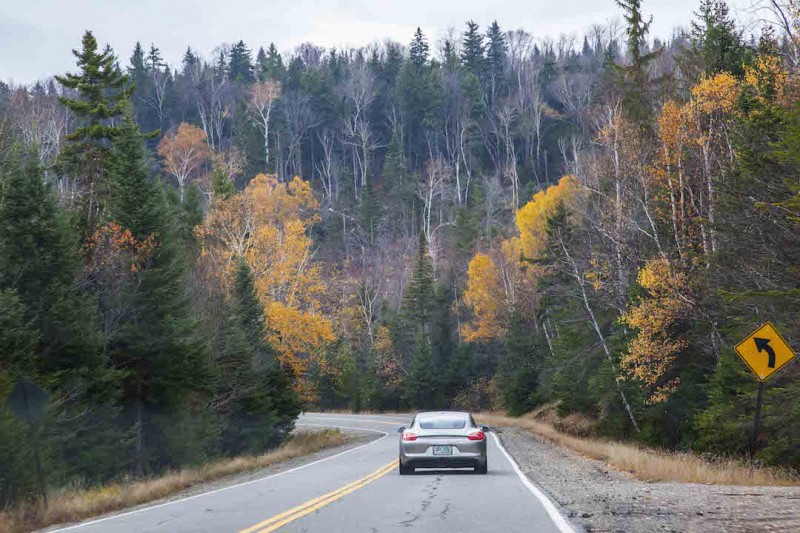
(598, 498)
(354, 440)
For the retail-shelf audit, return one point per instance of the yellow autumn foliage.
(532, 217)
(767, 77)
(486, 298)
(716, 94)
(653, 353)
(268, 225)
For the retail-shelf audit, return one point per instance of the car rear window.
(443, 423)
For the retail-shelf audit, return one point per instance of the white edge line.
(150, 508)
(560, 522)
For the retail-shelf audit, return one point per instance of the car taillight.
(478, 435)
(409, 436)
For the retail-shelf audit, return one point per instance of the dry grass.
(72, 506)
(649, 464)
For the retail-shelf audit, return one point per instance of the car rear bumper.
(464, 455)
(443, 462)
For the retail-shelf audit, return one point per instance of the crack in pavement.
(430, 494)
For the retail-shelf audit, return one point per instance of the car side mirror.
(401, 429)
(486, 429)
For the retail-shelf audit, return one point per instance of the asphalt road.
(354, 491)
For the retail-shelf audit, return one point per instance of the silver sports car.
(443, 439)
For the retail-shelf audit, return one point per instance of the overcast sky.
(36, 36)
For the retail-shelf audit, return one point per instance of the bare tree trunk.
(581, 279)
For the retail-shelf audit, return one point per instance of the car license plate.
(442, 450)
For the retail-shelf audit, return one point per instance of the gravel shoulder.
(597, 498)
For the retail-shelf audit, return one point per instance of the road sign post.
(757, 418)
(764, 352)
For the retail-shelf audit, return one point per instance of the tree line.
(189, 254)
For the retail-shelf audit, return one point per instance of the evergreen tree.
(157, 345)
(635, 76)
(39, 260)
(137, 69)
(260, 405)
(716, 45)
(17, 346)
(496, 60)
(418, 296)
(449, 56)
(102, 92)
(269, 65)
(473, 50)
(221, 186)
(418, 51)
(154, 60)
(422, 384)
(240, 64)
(40, 264)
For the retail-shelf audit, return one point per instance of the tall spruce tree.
(496, 60)
(419, 295)
(418, 51)
(240, 64)
(269, 65)
(473, 50)
(636, 75)
(40, 264)
(157, 344)
(716, 45)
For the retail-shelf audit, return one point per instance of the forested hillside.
(190, 254)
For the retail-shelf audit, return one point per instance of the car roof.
(443, 414)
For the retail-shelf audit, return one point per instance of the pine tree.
(221, 186)
(189, 60)
(418, 51)
(102, 92)
(716, 46)
(17, 346)
(269, 65)
(418, 296)
(422, 384)
(496, 60)
(137, 69)
(636, 75)
(449, 56)
(39, 260)
(154, 60)
(240, 65)
(157, 345)
(473, 50)
(262, 406)
(40, 264)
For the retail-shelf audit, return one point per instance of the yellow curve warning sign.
(765, 351)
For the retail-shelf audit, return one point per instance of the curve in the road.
(356, 490)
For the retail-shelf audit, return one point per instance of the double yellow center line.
(286, 517)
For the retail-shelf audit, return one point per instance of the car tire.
(405, 470)
(482, 469)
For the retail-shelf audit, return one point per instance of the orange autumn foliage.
(114, 249)
(184, 153)
(268, 224)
